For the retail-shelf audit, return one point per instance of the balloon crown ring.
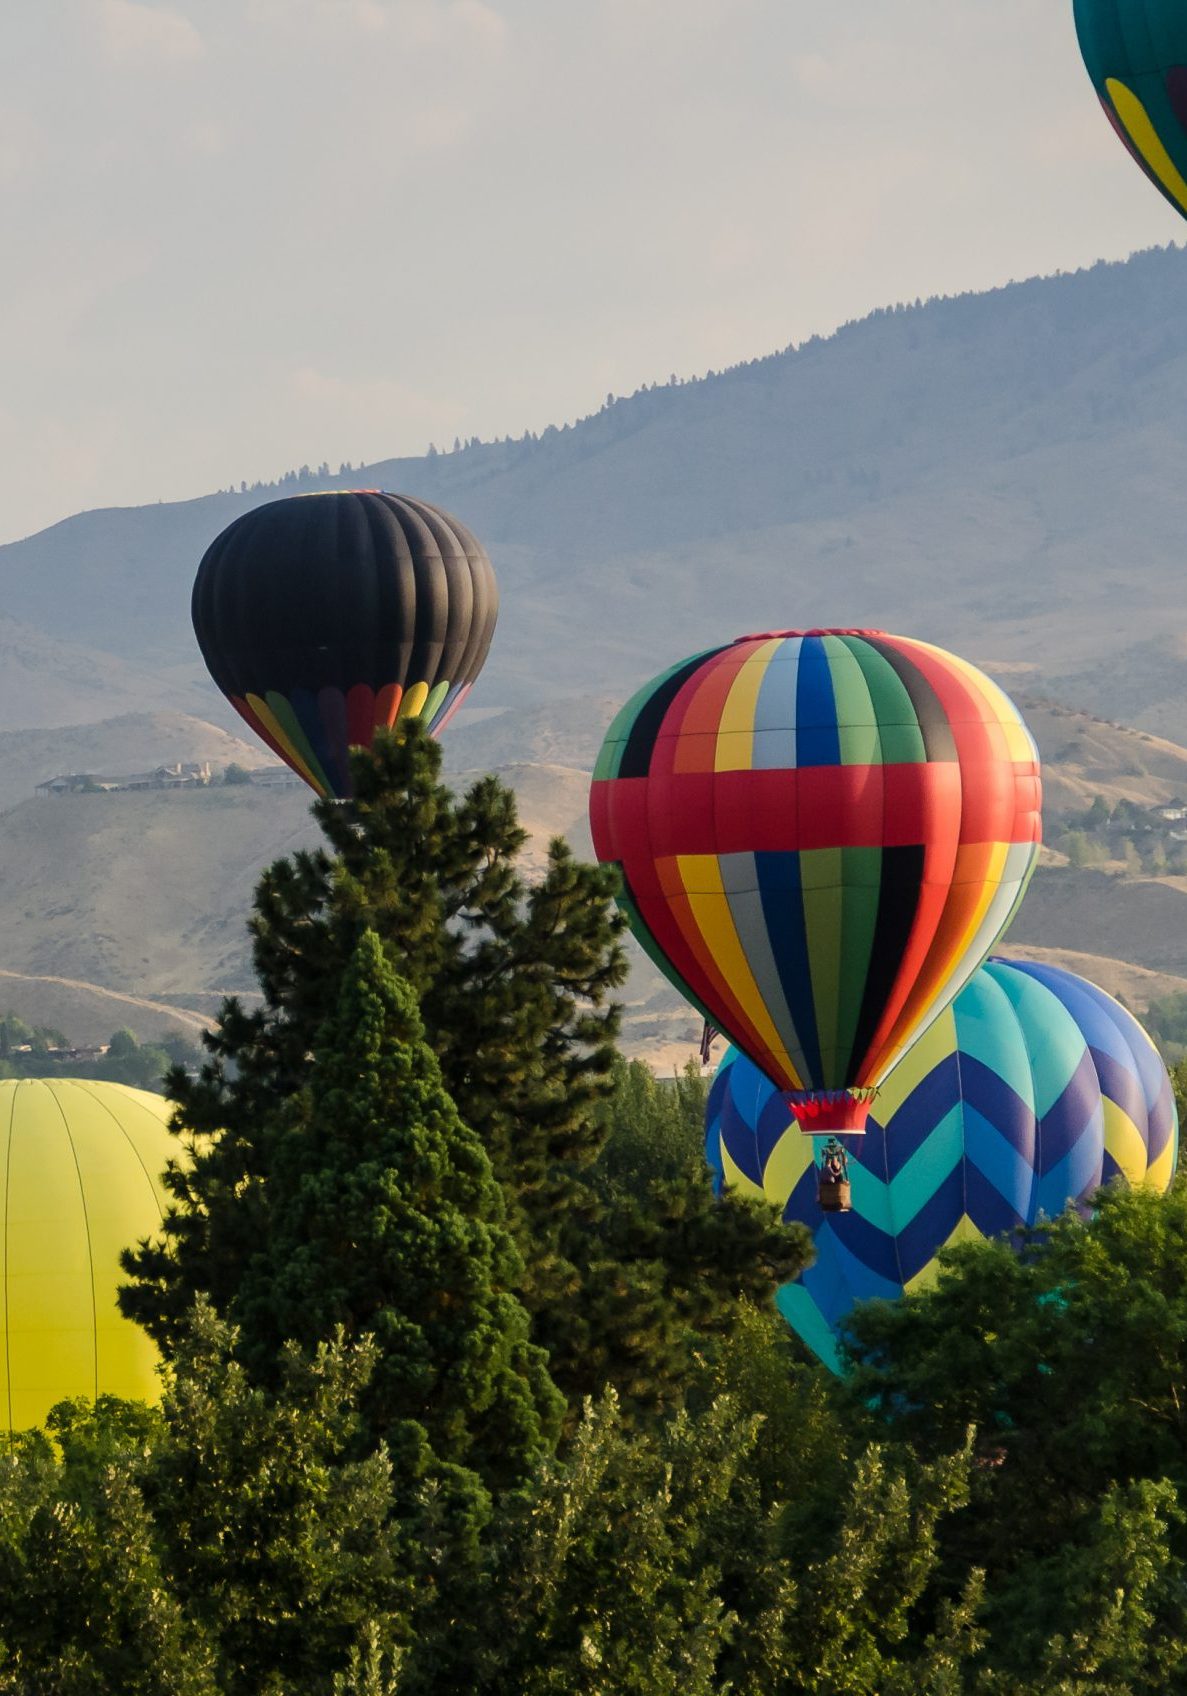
(784, 635)
(818, 1112)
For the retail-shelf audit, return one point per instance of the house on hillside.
(274, 777)
(188, 776)
(183, 775)
(1174, 812)
(77, 783)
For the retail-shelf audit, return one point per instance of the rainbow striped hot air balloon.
(1026, 1095)
(821, 835)
(1136, 54)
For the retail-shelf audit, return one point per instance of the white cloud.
(139, 35)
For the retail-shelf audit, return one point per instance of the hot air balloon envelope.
(1136, 54)
(1029, 1093)
(81, 1164)
(324, 617)
(821, 834)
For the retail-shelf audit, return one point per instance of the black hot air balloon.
(324, 617)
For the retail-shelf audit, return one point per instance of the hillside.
(1083, 756)
(145, 895)
(1001, 472)
(48, 681)
(130, 743)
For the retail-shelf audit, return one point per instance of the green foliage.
(28, 1051)
(602, 1579)
(675, 1264)
(276, 1529)
(513, 983)
(15, 1034)
(1137, 836)
(1166, 1021)
(1178, 1077)
(1090, 1618)
(85, 1602)
(384, 1216)
(1070, 1361)
(235, 774)
(1079, 848)
(127, 1061)
(233, 1545)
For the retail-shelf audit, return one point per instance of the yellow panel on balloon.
(82, 1183)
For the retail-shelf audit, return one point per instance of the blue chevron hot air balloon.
(1030, 1092)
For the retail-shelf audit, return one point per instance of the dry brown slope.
(1082, 756)
(143, 893)
(131, 742)
(147, 895)
(1085, 756)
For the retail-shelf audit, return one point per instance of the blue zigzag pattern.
(963, 1144)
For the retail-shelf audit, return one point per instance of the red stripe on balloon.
(618, 811)
(789, 811)
(360, 715)
(688, 735)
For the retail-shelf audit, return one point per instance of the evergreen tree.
(384, 1215)
(514, 983)
(696, 1263)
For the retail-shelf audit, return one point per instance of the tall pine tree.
(384, 1215)
(514, 981)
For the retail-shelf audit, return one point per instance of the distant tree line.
(35, 1051)
(1137, 837)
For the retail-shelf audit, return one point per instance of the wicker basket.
(835, 1197)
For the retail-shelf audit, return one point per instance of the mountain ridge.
(999, 472)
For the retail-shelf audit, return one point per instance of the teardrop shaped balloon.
(821, 835)
(1031, 1091)
(1136, 55)
(324, 617)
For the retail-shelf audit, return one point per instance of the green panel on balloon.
(1136, 54)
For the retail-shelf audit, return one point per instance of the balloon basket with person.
(833, 1190)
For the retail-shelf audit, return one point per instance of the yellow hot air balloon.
(81, 1165)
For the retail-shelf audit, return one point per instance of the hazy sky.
(242, 234)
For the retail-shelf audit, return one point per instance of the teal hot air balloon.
(1032, 1090)
(1136, 54)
